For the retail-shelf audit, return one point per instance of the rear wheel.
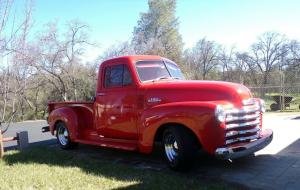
(180, 148)
(63, 136)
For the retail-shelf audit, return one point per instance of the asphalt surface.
(35, 136)
(275, 167)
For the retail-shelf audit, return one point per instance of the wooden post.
(1, 146)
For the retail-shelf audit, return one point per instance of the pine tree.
(157, 31)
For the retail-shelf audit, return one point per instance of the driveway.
(34, 129)
(275, 167)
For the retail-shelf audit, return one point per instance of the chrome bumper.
(241, 150)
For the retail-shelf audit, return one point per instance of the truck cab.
(143, 99)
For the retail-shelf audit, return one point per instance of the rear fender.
(197, 116)
(66, 115)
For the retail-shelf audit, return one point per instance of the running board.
(129, 145)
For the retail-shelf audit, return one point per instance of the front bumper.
(244, 149)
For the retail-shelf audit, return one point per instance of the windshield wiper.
(164, 77)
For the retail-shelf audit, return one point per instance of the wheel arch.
(56, 124)
(159, 132)
(66, 115)
(195, 117)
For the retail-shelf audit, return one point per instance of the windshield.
(158, 70)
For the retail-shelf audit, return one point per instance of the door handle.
(100, 94)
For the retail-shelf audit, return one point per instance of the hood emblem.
(154, 100)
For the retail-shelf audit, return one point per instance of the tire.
(179, 148)
(63, 137)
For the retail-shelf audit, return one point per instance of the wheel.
(63, 136)
(179, 147)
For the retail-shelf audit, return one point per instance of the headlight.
(220, 113)
(262, 105)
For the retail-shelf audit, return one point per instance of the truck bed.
(55, 105)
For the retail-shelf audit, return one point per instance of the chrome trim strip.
(230, 118)
(243, 111)
(249, 101)
(243, 132)
(238, 139)
(236, 125)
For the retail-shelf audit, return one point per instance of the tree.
(5, 8)
(245, 71)
(294, 60)
(226, 58)
(203, 58)
(292, 69)
(157, 31)
(59, 59)
(269, 52)
(13, 45)
(119, 49)
(5, 77)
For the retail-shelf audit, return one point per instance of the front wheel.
(179, 147)
(63, 136)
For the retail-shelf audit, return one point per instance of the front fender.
(66, 115)
(197, 116)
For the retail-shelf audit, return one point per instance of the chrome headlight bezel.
(220, 114)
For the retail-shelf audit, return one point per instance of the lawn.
(52, 168)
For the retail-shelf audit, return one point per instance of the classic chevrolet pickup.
(142, 99)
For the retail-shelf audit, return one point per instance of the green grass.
(51, 168)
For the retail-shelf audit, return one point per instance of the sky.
(228, 22)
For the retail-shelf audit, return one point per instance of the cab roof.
(135, 58)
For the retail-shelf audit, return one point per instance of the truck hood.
(192, 90)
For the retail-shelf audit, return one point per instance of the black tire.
(180, 148)
(63, 136)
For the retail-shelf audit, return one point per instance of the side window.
(126, 76)
(117, 76)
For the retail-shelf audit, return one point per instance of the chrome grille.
(243, 125)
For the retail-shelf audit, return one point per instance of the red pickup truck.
(144, 99)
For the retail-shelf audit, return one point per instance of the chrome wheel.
(63, 135)
(179, 148)
(171, 147)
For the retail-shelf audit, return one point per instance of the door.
(116, 102)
